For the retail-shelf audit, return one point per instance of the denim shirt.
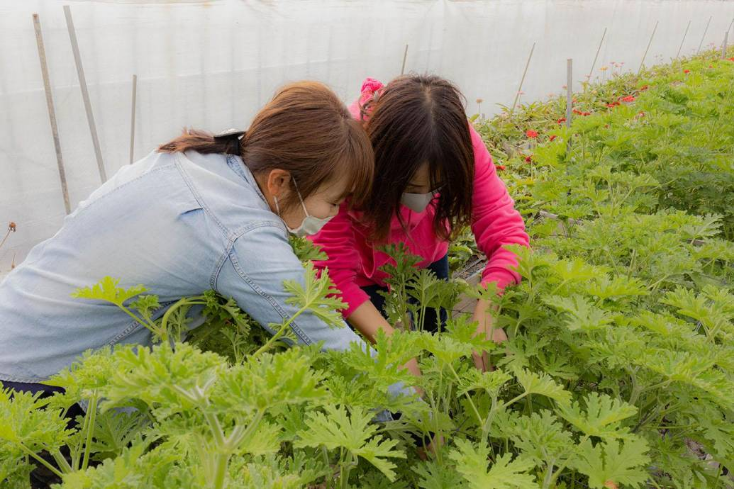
(180, 224)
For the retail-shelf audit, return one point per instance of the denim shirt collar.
(238, 166)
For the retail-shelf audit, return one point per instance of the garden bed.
(619, 365)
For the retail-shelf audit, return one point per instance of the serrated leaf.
(505, 473)
(107, 290)
(581, 314)
(352, 431)
(268, 381)
(491, 382)
(318, 295)
(613, 463)
(542, 384)
(602, 417)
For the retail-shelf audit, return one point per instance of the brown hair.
(306, 130)
(420, 119)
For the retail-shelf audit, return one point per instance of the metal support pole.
(51, 111)
(569, 91)
(642, 63)
(704, 35)
(405, 58)
(522, 80)
(85, 93)
(723, 48)
(684, 40)
(598, 50)
(132, 119)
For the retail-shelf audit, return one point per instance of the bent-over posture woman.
(200, 213)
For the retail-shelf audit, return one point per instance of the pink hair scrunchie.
(369, 87)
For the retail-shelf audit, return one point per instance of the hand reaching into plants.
(368, 321)
(483, 317)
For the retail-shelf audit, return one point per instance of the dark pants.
(47, 390)
(40, 476)
(441, 269)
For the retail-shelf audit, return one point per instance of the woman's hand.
(485, 322)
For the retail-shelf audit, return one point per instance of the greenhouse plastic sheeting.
(211, 65)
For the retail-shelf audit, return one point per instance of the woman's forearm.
(368, 321)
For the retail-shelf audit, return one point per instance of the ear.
(278, 182)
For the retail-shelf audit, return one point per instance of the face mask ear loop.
(303, 204)
(277, 207)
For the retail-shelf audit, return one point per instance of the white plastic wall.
(211, 64)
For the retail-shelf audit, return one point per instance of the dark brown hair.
(416, 120)
(306, 130)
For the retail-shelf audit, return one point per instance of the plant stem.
(61, 462)
(216, 429)
(92, 415)
(188, 301)
(220, 472)
(280, 333)
(148, 324)
(40, 459)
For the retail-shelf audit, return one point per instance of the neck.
(262, 185)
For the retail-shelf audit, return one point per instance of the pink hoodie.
(353, 263)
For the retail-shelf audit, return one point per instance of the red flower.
(552, 137)
(686, 71)
(731, 59)
(529, 159)
(577, 112)
(628, 98)
(585, 113)
(531, 134)
(500, 167)
(561, 120)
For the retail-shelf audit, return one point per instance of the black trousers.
(441, 269)
(47, 390)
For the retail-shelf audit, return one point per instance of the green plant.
(618, 370)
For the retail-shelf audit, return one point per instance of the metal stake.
(85, 92)
(132, 119)
(704, 35)
(642, 63)
(684, 39)
(522, 80)
(405, 58)
(51, 111)
(593, 65)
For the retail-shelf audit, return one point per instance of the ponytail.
(230, 142)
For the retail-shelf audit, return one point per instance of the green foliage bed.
(618, 372)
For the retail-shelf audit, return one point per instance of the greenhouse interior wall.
(211, 65)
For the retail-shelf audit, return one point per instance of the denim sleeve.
(253, 273)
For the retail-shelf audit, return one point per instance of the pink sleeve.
(495, 221)
(336, 239)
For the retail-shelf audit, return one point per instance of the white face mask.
(417, 202)
(310, 225)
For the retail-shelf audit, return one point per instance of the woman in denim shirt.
(201, 213)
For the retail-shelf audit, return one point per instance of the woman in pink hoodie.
(433, 176)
